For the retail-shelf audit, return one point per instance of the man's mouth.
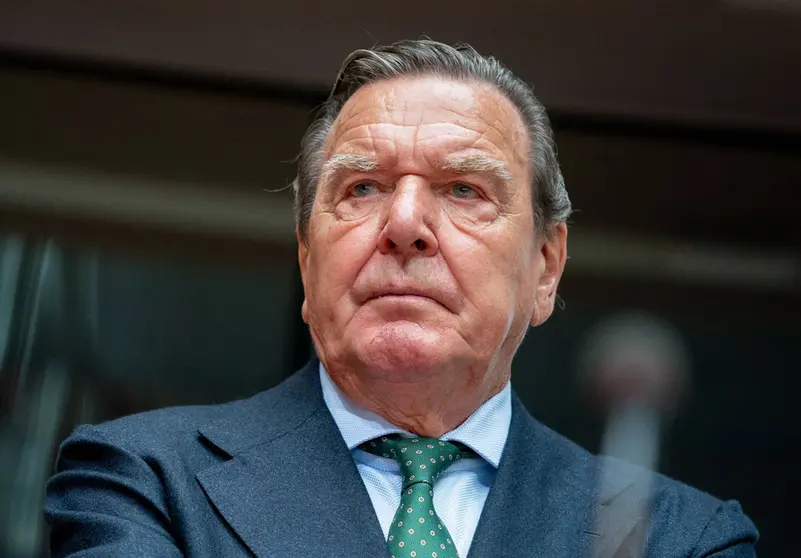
(407, 291)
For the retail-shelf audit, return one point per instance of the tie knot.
(420, 459)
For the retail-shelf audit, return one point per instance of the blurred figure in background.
(635, 368)
(431, 221)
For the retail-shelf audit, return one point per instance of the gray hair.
(424, 57)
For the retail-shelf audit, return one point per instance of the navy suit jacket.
(270, 476)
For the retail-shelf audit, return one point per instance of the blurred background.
(147, 252)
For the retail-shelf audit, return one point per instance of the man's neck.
(424, 408)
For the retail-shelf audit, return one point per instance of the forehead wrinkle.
(509, 117)
(449, 157)
(343, 125)
(487, 118)
(489, 132)
(489, 112)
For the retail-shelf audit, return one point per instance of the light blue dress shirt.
(461, 490)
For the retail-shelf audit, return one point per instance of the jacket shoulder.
(229, 427)
(635, 505)
(178, 427)
(638, 506)
(163, 435)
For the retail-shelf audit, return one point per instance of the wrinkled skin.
(421, 266)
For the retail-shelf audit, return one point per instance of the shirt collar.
(485, 431)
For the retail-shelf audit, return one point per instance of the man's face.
(421, 254)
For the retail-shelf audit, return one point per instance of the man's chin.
(404, 349)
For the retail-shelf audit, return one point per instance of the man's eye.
(463, 191)
(363, 189)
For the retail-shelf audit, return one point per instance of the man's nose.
(412, 211)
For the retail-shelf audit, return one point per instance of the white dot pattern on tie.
(417, 530)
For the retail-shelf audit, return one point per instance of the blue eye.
(463, 191)
(363, 189)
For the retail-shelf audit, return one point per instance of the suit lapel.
(542, 501)
(293, 488)
(290, 487)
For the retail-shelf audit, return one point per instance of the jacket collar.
(542, 501)
(290, 487)
(268, 415)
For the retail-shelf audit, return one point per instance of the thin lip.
(406, 291)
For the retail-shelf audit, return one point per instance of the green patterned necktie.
(417, 531)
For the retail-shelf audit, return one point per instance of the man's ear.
(303, 263)
(551, 263)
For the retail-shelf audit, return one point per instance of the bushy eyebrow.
(477, 163)
(472, 163)
(344, 163)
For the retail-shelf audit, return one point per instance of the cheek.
(495, 274)
(334, 266)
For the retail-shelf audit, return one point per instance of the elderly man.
(431, 231)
